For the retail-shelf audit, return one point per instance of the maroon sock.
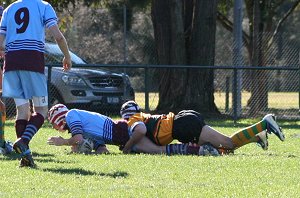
(193, 149)
(182, 149)
(34, 124)
(20, 126)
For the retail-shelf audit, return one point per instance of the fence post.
(48, 86)
(234, 90)
(237, 50)
(124, 45)
(146, 89)
(227, 94)
(125, 34)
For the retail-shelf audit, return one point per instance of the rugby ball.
(85, 146)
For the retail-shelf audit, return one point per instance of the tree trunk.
(170, 45)
(202, 50)
(259, 93)
(185, 35)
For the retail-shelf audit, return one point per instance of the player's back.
(94, 124)
(25, 24)
(159, 127)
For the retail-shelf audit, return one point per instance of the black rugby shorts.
(187, 126)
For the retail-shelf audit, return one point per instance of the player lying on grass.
(188, 126)
(103, 130)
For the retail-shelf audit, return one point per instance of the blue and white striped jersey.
(23, 25)
(96, 126)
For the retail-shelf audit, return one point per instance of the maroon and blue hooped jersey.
(98, 127)
(23, 25)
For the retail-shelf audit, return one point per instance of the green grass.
(250, 172)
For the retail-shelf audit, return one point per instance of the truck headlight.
(73, 80)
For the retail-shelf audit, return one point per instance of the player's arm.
(139, 131)
(100, 147)
(60, 141)
(62, 43)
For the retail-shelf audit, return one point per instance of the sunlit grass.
(276, 100)
(250, 172)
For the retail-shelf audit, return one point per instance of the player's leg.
(34, 86)
(13, 88)
(240, 138)
(35, 122)
(273, 127)
(255, 132)
(262, 140)
(36, 119)
(147, 146)
(5, 145)
(22, 115)
(246, 135)
(192, 149)
(2, 113)
(216, 138)
(2, 121)
(189, 126)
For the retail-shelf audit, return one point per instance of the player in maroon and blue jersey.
(22, 29)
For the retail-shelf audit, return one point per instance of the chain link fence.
(126, 54)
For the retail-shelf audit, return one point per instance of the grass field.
(250, 172)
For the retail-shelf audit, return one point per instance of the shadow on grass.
(80, 171)
(287, 155)
(42, 154)
(48, 160)
(37, 157)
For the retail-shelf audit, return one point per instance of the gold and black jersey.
(159, 127)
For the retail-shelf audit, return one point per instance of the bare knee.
(43, 110)
(217, 139)
(23, 112)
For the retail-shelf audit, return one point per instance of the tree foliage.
(178, 21)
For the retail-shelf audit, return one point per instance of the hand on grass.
(126, 149)
(57, 141)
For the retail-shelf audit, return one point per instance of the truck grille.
(106, 81)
